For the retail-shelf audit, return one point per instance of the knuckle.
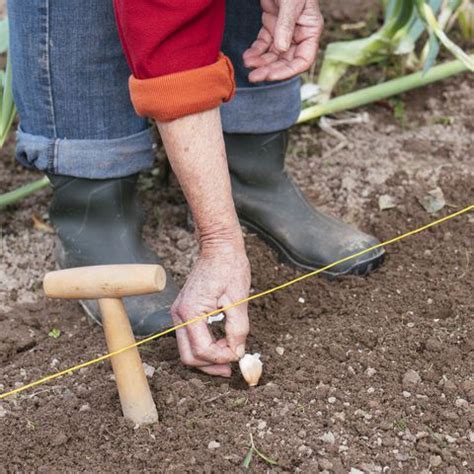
(201, 353)
(174, 314)
(183, 310)
(242, 330)
(240, 334)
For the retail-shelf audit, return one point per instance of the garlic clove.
(251, 367)
(215, 318)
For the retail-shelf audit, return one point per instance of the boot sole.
(361, 268)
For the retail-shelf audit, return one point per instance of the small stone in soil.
(59, 440)
(449, 386)
(328, 438)
(435, 461)
(306, 450)
(461, 403)
(450, 439)
(325, 464)
(149, 370)
(213, 445)
(272, 389)
(280, 350)
(332, 400)
(370, 372)
(411, 377)
(369, 467)
(262, 425)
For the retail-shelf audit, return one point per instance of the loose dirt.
(359, 373)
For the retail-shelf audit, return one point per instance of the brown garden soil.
(374, 374)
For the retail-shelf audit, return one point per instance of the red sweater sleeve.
(172, 47)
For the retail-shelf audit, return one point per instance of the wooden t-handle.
(105, 281)
(134, 391)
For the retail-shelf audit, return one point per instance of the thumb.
(236, 326)
(285, 26)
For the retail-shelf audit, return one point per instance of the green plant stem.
(383, 91)
(345, 102)
(22, 192)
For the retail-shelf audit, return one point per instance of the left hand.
(288, 41)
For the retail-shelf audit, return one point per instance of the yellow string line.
(233, 305)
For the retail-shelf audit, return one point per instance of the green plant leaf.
(426, 14)
(7, 110)
(433, 51)
(4, 35)
(407, 37)
(466, 20)
(260, 454)
(265, 458)
(248, 459)
(54, 333)
(383, 91)
(22, 192)
(361, 52)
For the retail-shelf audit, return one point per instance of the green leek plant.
(465, 18)
(7, 116)
(431, 49)
(436, 32)
(7, 106)
(383, 91)
(22, 192)
(405, 21)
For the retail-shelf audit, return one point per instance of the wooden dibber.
(109, 283)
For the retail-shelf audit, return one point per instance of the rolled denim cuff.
(263, 109)
(91, 159)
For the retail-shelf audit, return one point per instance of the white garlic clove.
(215, 318)
(251, 367)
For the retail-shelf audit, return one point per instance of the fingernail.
(240, 351)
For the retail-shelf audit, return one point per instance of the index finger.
(236, 325)
(259, 46)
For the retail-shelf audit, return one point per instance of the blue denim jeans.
(71, 89)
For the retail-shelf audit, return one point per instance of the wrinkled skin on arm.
(221, 275)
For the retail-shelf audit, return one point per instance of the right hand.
(220, 277)
(287, 42)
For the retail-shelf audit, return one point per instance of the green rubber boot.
(269, 203)
(99, 222)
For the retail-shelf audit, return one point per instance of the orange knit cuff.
(169, 97)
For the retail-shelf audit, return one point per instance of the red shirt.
(172, 47)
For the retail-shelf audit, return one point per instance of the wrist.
(221, 239)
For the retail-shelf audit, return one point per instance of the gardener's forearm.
(221, 275)
(196, 151)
